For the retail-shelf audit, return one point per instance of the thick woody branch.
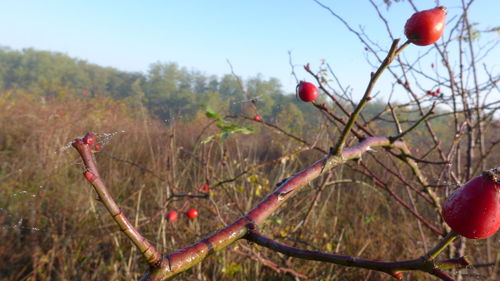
(186, 258)
(152, 256)
(425, 263)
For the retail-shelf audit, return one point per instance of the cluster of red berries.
(434, 93)
(191, 214)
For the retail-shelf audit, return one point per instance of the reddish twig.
(91, 173)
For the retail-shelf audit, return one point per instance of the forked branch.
(84, 147)
(170, 265)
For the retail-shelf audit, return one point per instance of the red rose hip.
(192, 213)
(172, 216)
(257, 118)
(307, 91)
(426, 27)
(473, 210)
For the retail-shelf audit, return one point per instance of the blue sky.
(255, 36)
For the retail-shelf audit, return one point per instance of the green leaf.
(226, 128)
(211, 114)
(229, 128)
(245, 130)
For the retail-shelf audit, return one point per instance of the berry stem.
(434, 252)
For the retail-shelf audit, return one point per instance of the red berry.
(97, 147)
(438, 91)
(89, 139)
(172, 216)
(426, 27)
(205, 188)
(307, 91)
(192, 213)
(432, 65)
(257, 118)
(398, 275)
(473, 210)
(430, 93)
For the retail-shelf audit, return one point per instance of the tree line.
(166, 89)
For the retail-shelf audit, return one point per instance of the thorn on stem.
(282, 195)
(89, 176)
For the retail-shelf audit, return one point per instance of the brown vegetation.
(54, 229)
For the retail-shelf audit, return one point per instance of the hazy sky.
(255, 35)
